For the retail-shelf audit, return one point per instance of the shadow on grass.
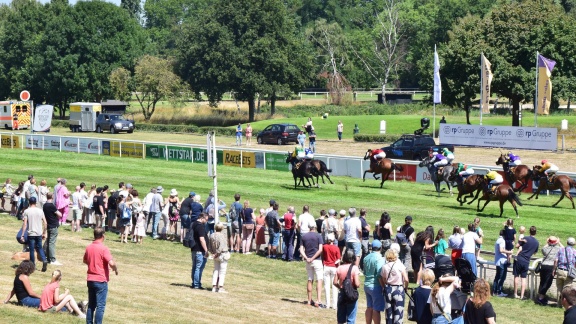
(180, 285)
(294, 301)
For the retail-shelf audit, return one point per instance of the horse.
(520, 173)
(302, 170)
(434, 174)
(467, 187)
(321, 170)
(502, 194)
(383, 167)
(562, 182)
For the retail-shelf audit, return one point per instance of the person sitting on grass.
(53, 301)
(22, 287)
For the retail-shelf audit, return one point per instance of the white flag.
(437, 84)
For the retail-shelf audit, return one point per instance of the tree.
(245, 46)
(120, 81)
(132, 7)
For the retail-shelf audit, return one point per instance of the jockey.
(439, 160)
(495, 179)
(299, 153)
(308, 154)
(464, 171)
(513, 160)
(449, 155)
(549, 169)
(378, 155)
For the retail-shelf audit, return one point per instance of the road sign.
(25, 95)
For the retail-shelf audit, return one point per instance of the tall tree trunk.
(515, 111)
(568, 107)
(258, 106)
(384, 92)
(251, 108)
(273, 104)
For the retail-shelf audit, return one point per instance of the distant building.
(114, 106)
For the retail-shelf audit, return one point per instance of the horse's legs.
(364, 175)
(535, 194)
(476, 197)
(562, 197)
(327, 176)
(572, 200)
(486, 203)
(502, 205)
(449, 187)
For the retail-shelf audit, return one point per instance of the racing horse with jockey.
(551, 181)
(319, 167)
(467, 183)
(514, 170)
(301, 169)
(379, 164)
(439, 169)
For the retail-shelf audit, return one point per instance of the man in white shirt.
(470, 240)
(302, 227)
(146, 209)
(76, 210)
(353, 232)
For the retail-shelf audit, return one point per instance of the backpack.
(113, 200)
(126, 213)
(233, 214)
(189, 238)
(401, 237)
(350, 293)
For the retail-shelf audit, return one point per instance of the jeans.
(50, 244)
(440, 319)
(198, 264)
(288, 239)
(365, 251)
(472, 259)
(97, 293)
(238, 140)
(157, 216)
(30, 302)
(297, 255)
(35, 243)
(346, 313)
(339, 136)
(500, 278)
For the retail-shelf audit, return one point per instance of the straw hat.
(173, 193)
(553, 240)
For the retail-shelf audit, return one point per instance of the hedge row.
(376, 138)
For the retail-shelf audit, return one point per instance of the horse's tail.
(397, 167)
(324, 167)
(514, 196)
(572, 183)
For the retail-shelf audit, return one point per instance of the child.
(521, 239)
(52, 300)
(509, 236)
(442, 245)
(480, 234)
(125, 222)
(140, 231)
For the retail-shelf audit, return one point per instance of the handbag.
(411, 306)
(539, 266)
(571, 270)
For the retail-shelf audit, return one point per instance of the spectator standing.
(89, 214)
(455, 243)
(301, 139)
(479, 310)
(199, 251)
(373, 263)
(52, 216)
(99, 208)
(469, 241)
(406, 245)
(156, 211)
(76, 210)
(239, 135)
(522, 263)
(185, 215)
(236, 229)
(302, 227)
(42, 191)
(287, 235)
(353, 232)
(509, 235)
(341, 237)
(247, 227)
(566, 256)
(146, 206)
(440, 303)
(33, 191)
(173, 203)
(320, 220)
(365, 236)
(330, 226)
(219, 248)
(330, 259)
(63, 201)
(480, 234)
(273, 223)
(394, 279)
(550, 251)
(346, 312)
(568, 300)
(308, 126)
(112, 206)
(421, 298)
(35, 224)
(22, 287)
(213, 211)
(311, 250)
(385, 233)
(312, 140)
(248, 135)
(195, 209)
(340, 129)
(99, 260)
(442, 245)
(501, 261)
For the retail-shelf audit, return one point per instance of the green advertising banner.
(179, 153)
(201, 156)
(276, 161)
(155, 151)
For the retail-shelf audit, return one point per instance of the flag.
(486, 81)
(437, 84)
(545, 67)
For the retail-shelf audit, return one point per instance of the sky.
(70, 1)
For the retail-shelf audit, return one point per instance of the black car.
(114, 123)
(279, 133)
(413, 147)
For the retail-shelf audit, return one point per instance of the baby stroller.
(464, 269)
(443, 266)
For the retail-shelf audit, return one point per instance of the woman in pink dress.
(63, 201)
(248, 135)
(260, 227)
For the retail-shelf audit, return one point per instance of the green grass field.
(152, 286)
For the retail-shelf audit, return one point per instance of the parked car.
(413, 147)
(114, 123)
(279, 134)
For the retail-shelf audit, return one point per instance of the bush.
(379, 138)
(370, 108)
(167, 128)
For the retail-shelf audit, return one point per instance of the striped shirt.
(561, 257)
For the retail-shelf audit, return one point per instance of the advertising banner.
(276, 161)
(531, 138)
(408, 173)
(238, 158)
(201, 156)
(105, 148)
(10, 141)
(41, 142)
(42, 118)
(126, 149)
(173, 153)
(155, 151)
(84, 145)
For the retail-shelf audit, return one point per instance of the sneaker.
(82, 315)
(55, 263)
(83, 306)
(214, 289)
(44, 266)
(502, 295)
(248, 253)
(222, 290)
(155, 237)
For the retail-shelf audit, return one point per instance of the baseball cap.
(376, 244)
(331, 212)
(32, 200)
(159, 189)
(408, 218)
(342, 212)
(571, 241)
(272, 201)
(129, 186)
(192, 194)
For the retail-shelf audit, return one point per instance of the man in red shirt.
(288, 235)
(98, 258)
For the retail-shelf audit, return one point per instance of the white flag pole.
(481, 86)
(434, 97)
(536, 94)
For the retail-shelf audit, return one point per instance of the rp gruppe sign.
(532, 138)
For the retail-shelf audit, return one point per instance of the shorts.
(274, 238)
(375, 298)
(356, 247)
(315, 268)
(76, 214)
(520, 269)
(341, 243)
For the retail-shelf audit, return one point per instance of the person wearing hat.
(156, 211)
(550, 250)
(173, 203)
(185, 214)
(565, 256)
(330, 259)
(35, 224)
(330, 226)
(373, 263)
(341, 237)
(548, 169)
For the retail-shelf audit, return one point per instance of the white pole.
(536, 94)
(214, 162)
(31, 116)
(434, 122)
(481, 84)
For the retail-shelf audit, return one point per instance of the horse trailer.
(15, 114)
(83, 116)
